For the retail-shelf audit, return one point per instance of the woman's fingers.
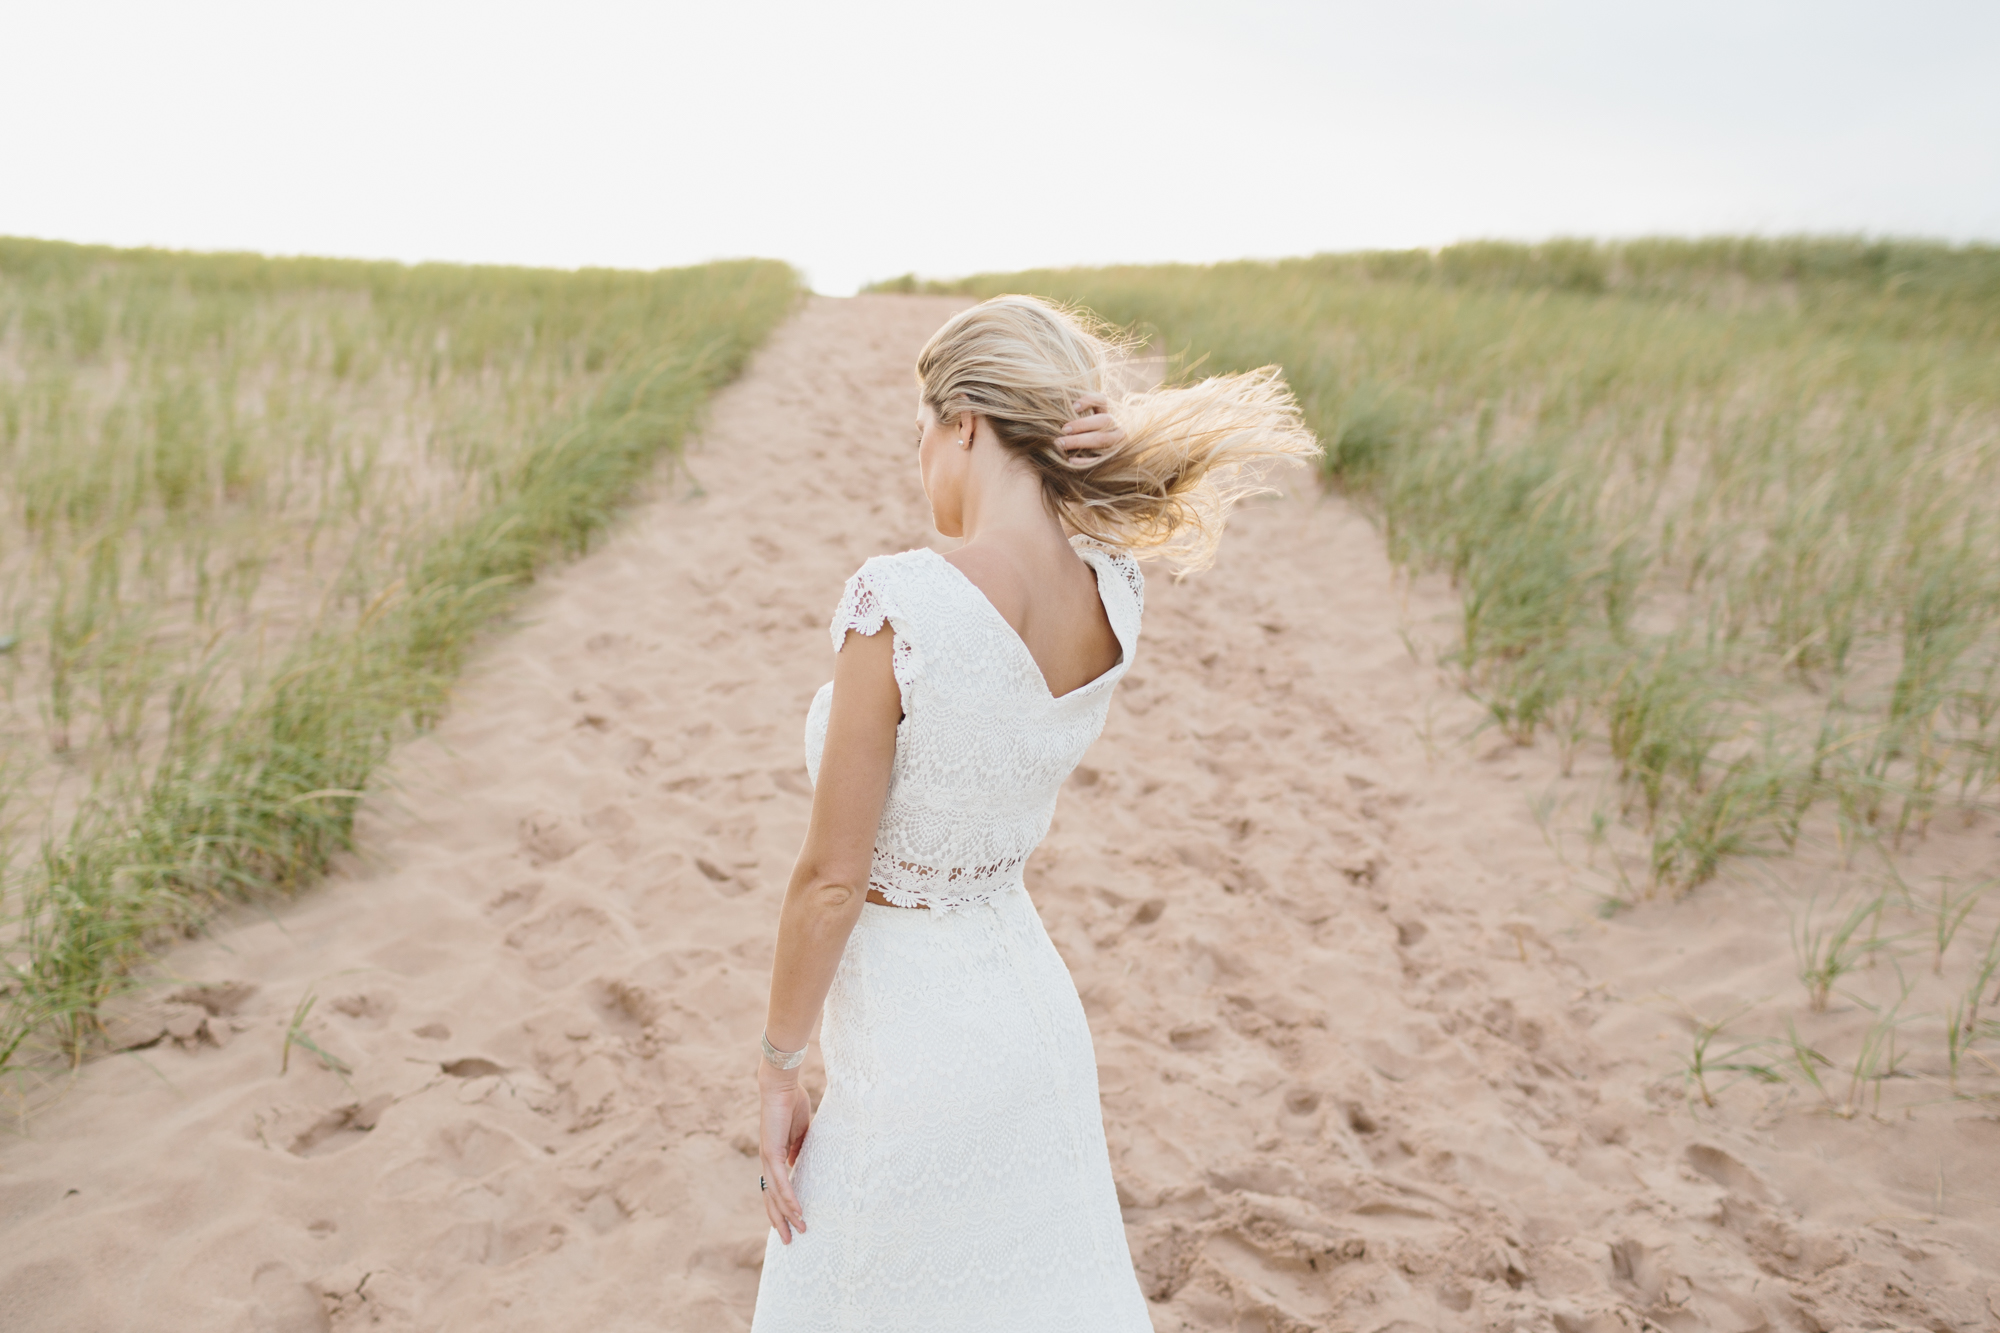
(781, 1203)
(1096, 421)
(1093, 427)
(1092, 432)
(1088, 440)
(1093, 412)
(773, 1213)
(784, 1202)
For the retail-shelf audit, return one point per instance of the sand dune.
(1362, 1068)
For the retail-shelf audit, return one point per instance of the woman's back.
(1052, 601)
(984, 744)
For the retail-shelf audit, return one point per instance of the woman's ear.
(967, 429)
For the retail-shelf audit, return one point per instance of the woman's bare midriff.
(875, 896)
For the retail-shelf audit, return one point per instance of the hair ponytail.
(1189, 453)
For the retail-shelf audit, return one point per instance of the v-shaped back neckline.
(1041, 677)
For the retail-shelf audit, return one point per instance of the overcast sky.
(860, 141)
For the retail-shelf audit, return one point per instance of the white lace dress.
(955, 1176)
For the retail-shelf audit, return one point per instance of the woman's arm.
(823, 901)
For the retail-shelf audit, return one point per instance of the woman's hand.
(784, 1112)
(1093, 428)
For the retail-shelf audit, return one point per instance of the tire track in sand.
(1344, 1086)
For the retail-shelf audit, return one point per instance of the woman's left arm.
(829, 884)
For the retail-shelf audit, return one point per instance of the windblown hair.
(1189, 453)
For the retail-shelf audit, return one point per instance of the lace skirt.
(955, 1176)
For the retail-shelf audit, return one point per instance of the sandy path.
(1348, 1083)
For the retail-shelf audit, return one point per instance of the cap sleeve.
(864, 605)
(871, 599)
(1123, 586)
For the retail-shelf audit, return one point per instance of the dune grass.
(1725, 505)
(253, 513)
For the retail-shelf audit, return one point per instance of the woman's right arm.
(829, 884)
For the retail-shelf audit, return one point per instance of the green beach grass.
(1724, 506)
(253, 514)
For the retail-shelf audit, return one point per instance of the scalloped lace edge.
(913, 884)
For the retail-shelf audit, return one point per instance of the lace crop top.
(983, 747)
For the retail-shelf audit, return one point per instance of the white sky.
(864, 140)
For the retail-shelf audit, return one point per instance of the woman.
(956, 1176)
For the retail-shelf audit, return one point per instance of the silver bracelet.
(783, 1059)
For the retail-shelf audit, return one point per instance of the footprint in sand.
(305, 1131)
(285, 1304)
(563, 933)
(548, 838)
(370, 1009)
(189, 1016)
(509, 904)
(463, 1150)
(626, 1008)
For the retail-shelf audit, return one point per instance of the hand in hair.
(1093, 427)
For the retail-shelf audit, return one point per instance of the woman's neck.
(1005, 505)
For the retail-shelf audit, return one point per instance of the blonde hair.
(1189, 453)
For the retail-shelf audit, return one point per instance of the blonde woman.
(955, 1175)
